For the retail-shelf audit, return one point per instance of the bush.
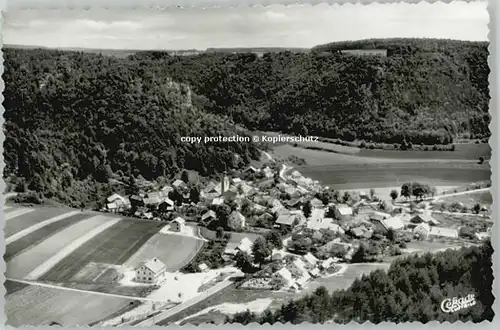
(28, 198)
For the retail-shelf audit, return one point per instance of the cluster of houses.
(278, 201)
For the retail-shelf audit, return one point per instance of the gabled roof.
(286, 219)
(344, 209)
(237, 215)
(217, 201)
(114, 197)
(286, 275)
(179, 220)
(208, 214)
(154, 265)
(245, 245)
(152, 200)
(393, 223)
(312, 260)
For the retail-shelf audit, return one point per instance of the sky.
(271, 26)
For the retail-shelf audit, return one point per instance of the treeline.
(411, 290)
(75, 121)
(425, 92)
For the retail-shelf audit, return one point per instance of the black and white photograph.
(236, 165)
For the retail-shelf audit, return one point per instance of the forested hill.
(411, 290)
(76, 120)
(424, 91)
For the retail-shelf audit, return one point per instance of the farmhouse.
(298, 269)
(310, 260)
(203, 267)
(361, 232)
(236, 221)
(324, 223)
(284, 275)
(394, 223)
(342, 211)
(425, 217)
(422, 230)
(178, 224)
(316, 203)
(286, 221)
(150, 271)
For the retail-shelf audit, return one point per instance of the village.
(290, 229)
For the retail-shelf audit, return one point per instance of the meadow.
(37, 305)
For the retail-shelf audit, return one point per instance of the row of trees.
(411, 290)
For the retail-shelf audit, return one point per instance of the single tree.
(406, 190)
(244, 262)
(477, 208)
(481, 160)
(219, 232)
(194, 195)
(274, 238)
(261, 250)
(307, 209)
(394, 195)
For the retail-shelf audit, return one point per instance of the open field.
(395, 174)
(469, 151)
(112, 246)
(25, 262)
(174, 250)
(36, 305)
(470, 199)
(41, 234)
(27, 220)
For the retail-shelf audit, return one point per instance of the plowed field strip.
(27, 220)
(20, 265)
(40, 235)
(113, 246)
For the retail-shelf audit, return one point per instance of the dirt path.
(17, 213)
(51, 262)
(39, 225)
(157, 319)
(462, 193)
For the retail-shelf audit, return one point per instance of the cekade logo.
(455, 304)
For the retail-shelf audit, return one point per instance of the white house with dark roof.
(178, 224)
(150, 271)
